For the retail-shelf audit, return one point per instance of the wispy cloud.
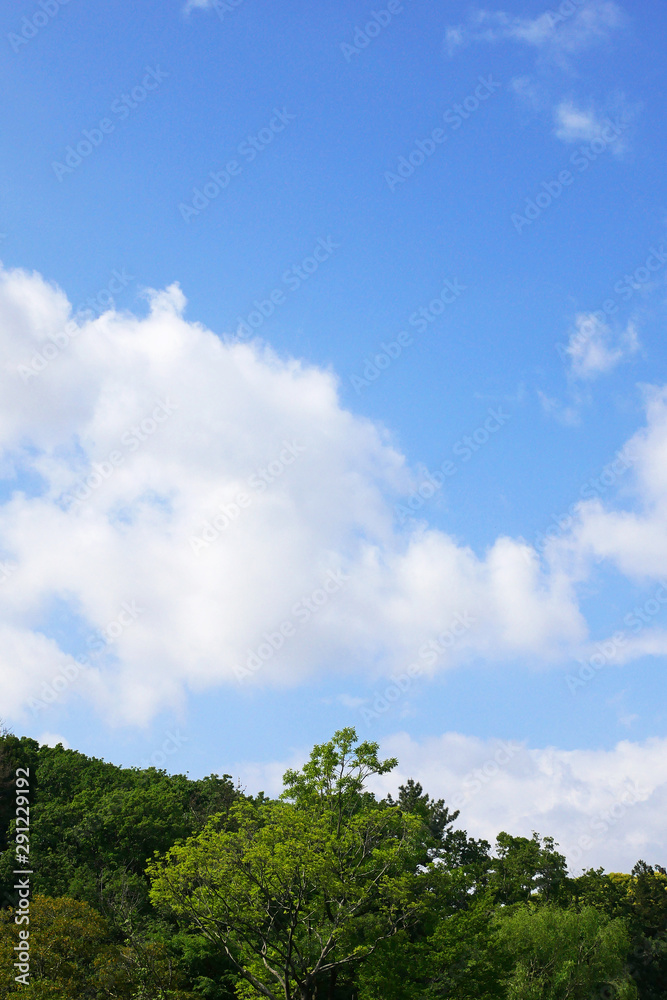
(552, 34)
(197, 5)
(555, 39)
(594, 349)
(576, 122)
(568, 414)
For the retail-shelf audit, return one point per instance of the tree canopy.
(150, 886)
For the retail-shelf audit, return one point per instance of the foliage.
(564, 954)
(72, 954)
(94, 831)
(327, 893)
(301, 889)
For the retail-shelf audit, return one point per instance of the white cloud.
(567, 414)
(552, 34)
(604, 807)
(162, 471)
(575, 124)
(614, 799)
(221, 7)
(122, 560)
(349, 701)
(198, 5)
(633, 541)
(52, 740)
(594, 349)
(528, 91)
(556, 39)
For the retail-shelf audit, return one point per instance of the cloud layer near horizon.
(200, 501)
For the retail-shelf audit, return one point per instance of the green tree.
(94, 825)
(451, 958)
(434, 814)
(74, 956)
(641, 899)
(527, 868)
(301, 891)
(646, 908)
(563, 954)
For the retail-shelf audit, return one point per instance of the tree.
(65, 938)
(527, 868)
(434, 814)
(73, 956)
(558, 954)
(452, 959)
(302, 890)
(646, 906)
(641, 899)
(94, 826)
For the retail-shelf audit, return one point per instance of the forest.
(155, 886)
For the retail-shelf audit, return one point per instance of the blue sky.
(392, 248)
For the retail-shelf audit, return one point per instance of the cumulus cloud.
(193, 508)
(552, 34)
(186, 511)
(632, 541)
(604, 807)
(594, 349)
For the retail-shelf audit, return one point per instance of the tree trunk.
(332, 983)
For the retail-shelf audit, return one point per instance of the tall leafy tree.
(301, 891)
